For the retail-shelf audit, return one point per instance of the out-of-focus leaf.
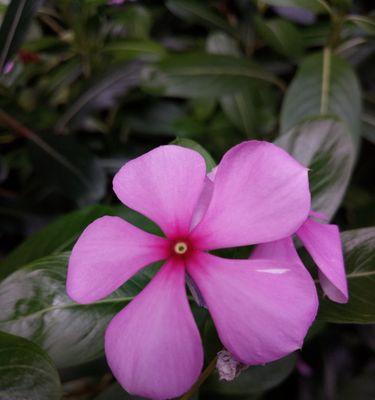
(101, 93)
(203, 75)
(61, 234)
(326, 148)
(136, 19)
(364, 22)
(114, 392)
(255, 379)
(77, 173)
(359, 250)
(221, 43)
(14, 27)
(360, 387)
(128, 49)
(26, 371)
(280, 35)
(324, 85)
(312, 5)
(34, 304)
(199, 12)
(191, 144)
(296, 14)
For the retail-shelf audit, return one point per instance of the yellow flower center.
(180, 248)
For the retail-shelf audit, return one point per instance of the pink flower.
(323, 242)
(261, 308)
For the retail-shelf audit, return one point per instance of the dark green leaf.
(14, 27)
(255, 379)
(61, 234)
(359, 250)
(221, 43)
(101, 93)
(114, 392)
(324, 85)
(76, 173)
(26, 371)
(190, 144)
(280, 35)
(197, 11)
(204, 75)
(136, 19)
(34, 304)
(326, 148)
(128, 49)
(364, 22)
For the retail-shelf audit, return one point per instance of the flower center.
(180, 248)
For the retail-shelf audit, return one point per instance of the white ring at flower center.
(180, 248)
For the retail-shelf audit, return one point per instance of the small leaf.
(77, 173)
(14, 27)
(280, 35)
(324, 85)
(359, 250)
(203, 75)
(34, 304)
(26, 371)
(196, 11)
(316, 6)
(191, 144)
(101, 93)
(325, 147)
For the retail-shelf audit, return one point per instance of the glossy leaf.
(280, 35)
(324, 85)
(14, 27)
(325, 147)
(101, 93)
(359, 249)
(34, 304)
(76, 174)
(203, 75)
(255, 379)
(27, 372)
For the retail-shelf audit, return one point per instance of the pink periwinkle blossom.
(262, 308)
(323, 242)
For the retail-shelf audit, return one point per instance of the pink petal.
(279, 250)
(164, 185)
(203, 202)
(323, 243)
(153, 346)
(109, 252)
(262, 309)
(260, 194)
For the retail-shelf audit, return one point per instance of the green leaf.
(204, 75)
(365, 23)
(191, 144)
(61, 234)
(76, 173)
(324, 85)
(129, 49)
(34, 304)
(221, 43)
(101, 93)
(325, 147)
(26, 371)
(280, 35)
(317, 6)
(197, 11)
(255, 379)
(114, 392)
(16, 23)
(359, 250)
(135, 18)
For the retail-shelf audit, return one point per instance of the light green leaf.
(359, 250)
(325, 147)
(26, 371)
(324, 85)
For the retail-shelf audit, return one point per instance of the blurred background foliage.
(86, 85)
